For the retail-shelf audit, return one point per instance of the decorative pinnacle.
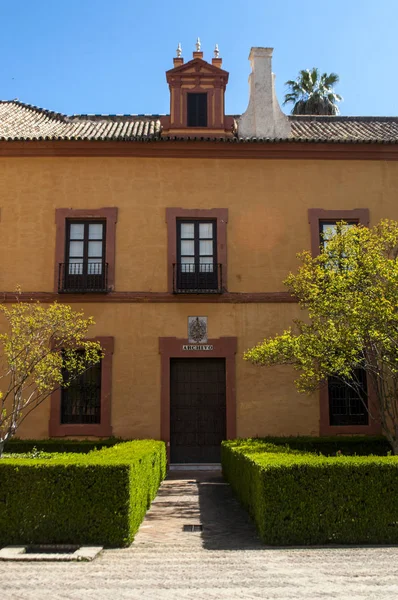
(179, 50)
(198, 45)
(216, 52)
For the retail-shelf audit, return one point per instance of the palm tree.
(312, 93)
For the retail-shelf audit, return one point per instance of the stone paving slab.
(224, 562)
(19, 553)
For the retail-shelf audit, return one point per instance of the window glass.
(77, 231)
(94, 267)
(187, 248)
(206, 247)
(205, 230)
(95, 231)
(76, 248)
(328, 230)
(95, 249)
(75, 266)
(187, 230)
(206, 264)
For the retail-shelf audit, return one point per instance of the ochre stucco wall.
(267, 402)
(268, 224)
(267, 202)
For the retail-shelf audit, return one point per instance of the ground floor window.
(344, 410)
(81, 400)
(347, 404)
(84, 407)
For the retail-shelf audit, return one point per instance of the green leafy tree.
(312, 93)
(350, 295)
(38, 344)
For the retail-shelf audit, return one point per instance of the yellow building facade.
(178, 247)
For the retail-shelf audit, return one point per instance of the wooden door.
(197, 409)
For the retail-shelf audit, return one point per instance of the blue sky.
(102, 56)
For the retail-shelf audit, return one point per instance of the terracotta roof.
(346, 129)
(19, 121)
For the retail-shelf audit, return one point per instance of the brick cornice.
(150, 297)
(203, 149)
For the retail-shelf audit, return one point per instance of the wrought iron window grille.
(82, 278)
(347, 405)
(197, 278)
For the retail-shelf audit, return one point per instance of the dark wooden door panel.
(197, 409)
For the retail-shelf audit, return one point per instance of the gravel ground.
(225, 561)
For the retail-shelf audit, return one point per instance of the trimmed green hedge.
(18, 446)
(98, 498)
(329, 446)
(360, 445)
(298, 498)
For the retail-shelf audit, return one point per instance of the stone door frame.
(172, 347)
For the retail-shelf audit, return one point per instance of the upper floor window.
(85, 250)
(196, 268)
(84, 269)
(197, 110)
(197, 250)
(327, 229)
(323, 224)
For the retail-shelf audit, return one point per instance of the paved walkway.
(225, 561)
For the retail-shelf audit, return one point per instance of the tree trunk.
(394, 446)
(2, 442)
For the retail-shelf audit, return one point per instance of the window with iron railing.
(197, 270)
(84, 269)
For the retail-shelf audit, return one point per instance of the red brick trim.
(316, 215)
(110, 214)
(374, 427)
(171, 347)
(150, 297)
(103, 429)
(219, 214)
(190, 78)
(203, 149)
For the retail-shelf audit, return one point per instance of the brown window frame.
(219, 215)
(349, 399)
(69, 395)
(77, 276)
(102, 429)
(201, 277)
(317, 216)
(372, 428)
(64, 215)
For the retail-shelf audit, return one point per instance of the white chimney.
(263, 117)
